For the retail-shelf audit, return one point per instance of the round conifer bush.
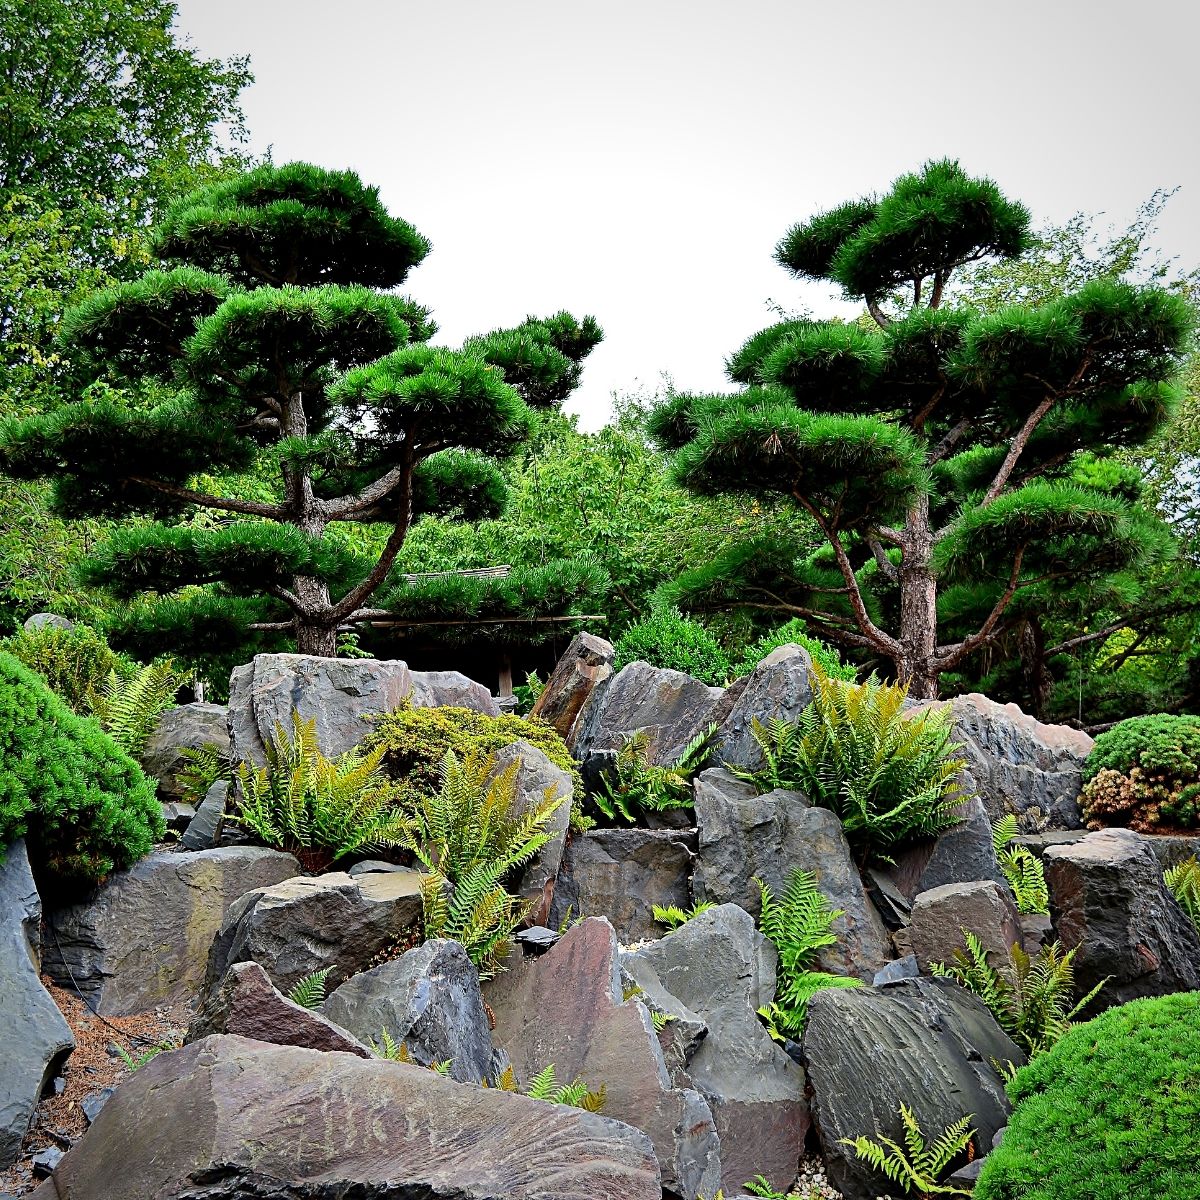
(1111, 1112)
(82, 804)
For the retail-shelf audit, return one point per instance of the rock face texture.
(338, 693)
(35, 1038)
(963, 854)
(246, 1004)
(203, 1123)
(143, 938)
(622, 874)
(304, 924)
(720, 969)
(429, 999)
(1107, 896)
(940, 915)
(587, 663)
(778, 687)
(537, 778)
(670, 706)
(927, 1042)
(743, 836)
(565, 1008)
(1017, 764)
(188, 727)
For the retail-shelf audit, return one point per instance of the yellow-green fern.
(918, 1168)
(1183, 882)
(1021, 868)
(128, 707)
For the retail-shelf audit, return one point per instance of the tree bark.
(918, 606)
(315, 639)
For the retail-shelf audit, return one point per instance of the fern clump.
(1183, 882)
(634, 786)
(202, 767)
(890, 775)
(918, 1167)
(798, 924)
(310, 991)
(545, 1086)
(317, 808)
(1022, 868)
(472, 836)
(128, 706)
(672, 916)
(82, 804)
(1032, 999)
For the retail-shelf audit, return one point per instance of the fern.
(317, 808)
(387, 1047)
(635, 786)
(1031, 999)
(1183, 882)
(918, 1168)
(798, 925)
(1021, 868)
(203, 766)
(128, 707)
(310, 991)
(672, 916)
(544, 1086)
(890, 775)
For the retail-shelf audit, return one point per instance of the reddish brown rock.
(230, 1119)
(248, 1005)
(587, 662)
(565, 1008)
(940, 916)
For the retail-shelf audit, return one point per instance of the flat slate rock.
(35, 1037)
(227, 1118)
(142, 939)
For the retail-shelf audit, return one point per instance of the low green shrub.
(74, 662)
(890, 775)
(1112, 1112)
(1145, 773)
(666, 638)
(83, 805)
(794, 632)
(415, 741)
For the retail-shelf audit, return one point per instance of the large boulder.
(940, 916)
(187, 727)
(245, 1003)
(566, 1008)
(142, 939)
(621, 874)
(429, 999)
(669, 706)
(227, 1118)
(538, 779)
(1107, 896)
(588, 662)
(780, 686)
(744, 836)
(37, 1040)
(339, 694)
(1018, 764)
(720, 969)
(965, 853)
(926, 1042)
(305, 924)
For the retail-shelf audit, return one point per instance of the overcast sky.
(639, 159)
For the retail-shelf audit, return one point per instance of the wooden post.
(506, 688)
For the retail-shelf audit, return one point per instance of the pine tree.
(932, 446)
(265, 386)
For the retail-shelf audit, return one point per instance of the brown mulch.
(59, 1120)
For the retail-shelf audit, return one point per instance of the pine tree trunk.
(918, 607)
(316, 640)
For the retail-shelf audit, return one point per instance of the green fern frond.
(918, 1168)
(128, 707)
(672, 916)
(1183, 882)
(310, 991)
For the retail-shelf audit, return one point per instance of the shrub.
(890, 775)
(83, 805)
(1145, 773)
(794, 632)
(317, 808)
(415, 741)
(798, 926)
(74, 662)
(1031, 999)
(1112, 1112)
(666, 638)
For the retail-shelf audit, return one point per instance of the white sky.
(639, 159)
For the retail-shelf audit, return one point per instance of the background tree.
(937, 447)
(271, 342)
